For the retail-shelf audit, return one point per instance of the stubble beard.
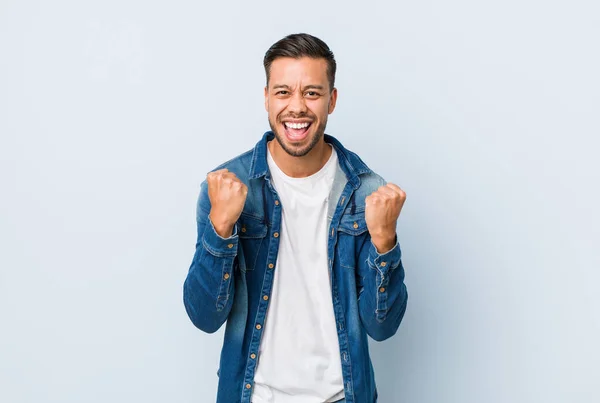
(298, 152)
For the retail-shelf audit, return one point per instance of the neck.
(300, 167)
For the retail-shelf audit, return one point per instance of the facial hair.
(303, 151)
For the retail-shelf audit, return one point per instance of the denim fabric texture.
(230, 279)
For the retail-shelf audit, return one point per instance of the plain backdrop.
(485, 112)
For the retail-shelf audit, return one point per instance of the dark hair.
(301, 45)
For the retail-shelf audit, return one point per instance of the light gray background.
(485, 112)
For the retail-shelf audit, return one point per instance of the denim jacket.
(230, 279)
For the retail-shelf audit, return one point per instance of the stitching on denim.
(353, 232)
(342, 264)
(251, 268)
(246, 214)
(351, 376)
(376, 299)
(215, 252)
(380, 307)
(347, 267)
(253, 161)
(254, 330)
(219, 297)
(233, 159)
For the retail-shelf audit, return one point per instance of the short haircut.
(301, 45)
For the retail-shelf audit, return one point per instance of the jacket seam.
(215, 252)
(222, 287)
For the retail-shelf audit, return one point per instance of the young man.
(297, 249)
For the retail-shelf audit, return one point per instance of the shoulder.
(369, 179)
(239, 165)
(369, 182)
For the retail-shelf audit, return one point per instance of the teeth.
(296, 125)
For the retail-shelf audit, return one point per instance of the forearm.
(209, 288)
(383, 301)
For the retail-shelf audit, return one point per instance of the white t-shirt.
(299, 356)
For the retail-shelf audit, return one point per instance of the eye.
(312, 94)
(282, 92)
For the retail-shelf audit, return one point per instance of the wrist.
(384, 243)
(223, 228)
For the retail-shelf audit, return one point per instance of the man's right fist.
(227, 196)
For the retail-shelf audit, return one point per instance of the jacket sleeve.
(208, 290)
(383, 297)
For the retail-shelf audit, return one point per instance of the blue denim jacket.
(229, 277)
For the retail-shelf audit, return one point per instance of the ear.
(266, 99)
(332, 100)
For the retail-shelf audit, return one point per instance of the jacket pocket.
(252, 234)
(353, 224)
(350, 236)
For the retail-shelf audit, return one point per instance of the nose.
(297, 104)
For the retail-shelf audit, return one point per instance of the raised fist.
(227, 196)
(382, 209)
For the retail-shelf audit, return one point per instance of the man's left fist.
(382, 209)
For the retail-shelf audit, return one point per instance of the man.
(297, 249)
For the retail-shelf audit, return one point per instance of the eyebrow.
(287, 87)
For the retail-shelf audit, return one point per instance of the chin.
(298, 148)
(298, 143)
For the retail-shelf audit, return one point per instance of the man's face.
(298, 100)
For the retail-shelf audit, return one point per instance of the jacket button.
(230, 246)
(382, 264)
(271, 265)
(265, 297)
(382, 289)
(277, 202)
(276, 234)
(243, 229)
(248, 386)
(258, 327)
(226, 276)
(253, 356)
(355, 225)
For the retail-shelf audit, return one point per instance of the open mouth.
(296, 131)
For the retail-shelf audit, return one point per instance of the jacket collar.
(350, 163)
